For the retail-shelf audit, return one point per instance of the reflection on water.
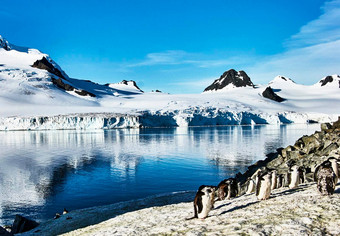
(41, 172)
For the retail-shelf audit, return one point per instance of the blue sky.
(180, 46)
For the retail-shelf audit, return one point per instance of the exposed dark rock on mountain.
(67, 87)
(238, 79)
(46, 65)
(127, 83)
(4, 44)
(270, 94)
(134, 84)
(328, 79)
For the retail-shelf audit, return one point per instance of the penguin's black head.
(290, 163)
(327, 164)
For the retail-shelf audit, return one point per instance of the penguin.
(227, 188)
(274, 180)
(204, 201)
(222, 189)
(335, 167)
(65, 211)
(294, 176)
(251, 186)
(325, 178)
(286, 179)
(280, 180)
(263, 187)
(302, 174)
(290, 163)
(57, 215)
(253, 180)
(232, 188)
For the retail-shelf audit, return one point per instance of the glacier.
(148, 119)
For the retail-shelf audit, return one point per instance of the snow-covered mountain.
(35, 93)
(230, 79)
(331, 81)
(125, 85)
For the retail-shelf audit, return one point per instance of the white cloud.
(180, 57)
(304, 65)
(201, 83)
(325, 28)
(170, 57)
(311, 54)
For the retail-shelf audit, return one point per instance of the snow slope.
(33, 98)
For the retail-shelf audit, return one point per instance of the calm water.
(41, 172)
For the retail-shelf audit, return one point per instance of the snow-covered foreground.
(301, 211)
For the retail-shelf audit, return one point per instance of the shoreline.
(97, 214)
(300, 211)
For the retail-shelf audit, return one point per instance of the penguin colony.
(264, 180)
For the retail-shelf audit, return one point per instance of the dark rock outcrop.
(4, 44)
(44, 64)
(67, 87)
(328, 79)
(270, 94)
(238, 79)
(22, 224)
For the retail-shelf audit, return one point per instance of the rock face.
(270, 94)
(237, 79)
(328, 79)
(133, 83)
(128, 84)
(4, 44)
(22, 224)
(44, 64)
(308, 152)
(67, 87)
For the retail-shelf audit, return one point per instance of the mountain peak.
(283, 79)
(330, 80)
(231, 78)
(130, 85)
(4, 44)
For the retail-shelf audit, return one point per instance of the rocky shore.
(299, 211)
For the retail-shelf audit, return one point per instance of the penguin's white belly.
(265, 190)
(251, 187)
(206, 202)
(294, 182)
(274, 182)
